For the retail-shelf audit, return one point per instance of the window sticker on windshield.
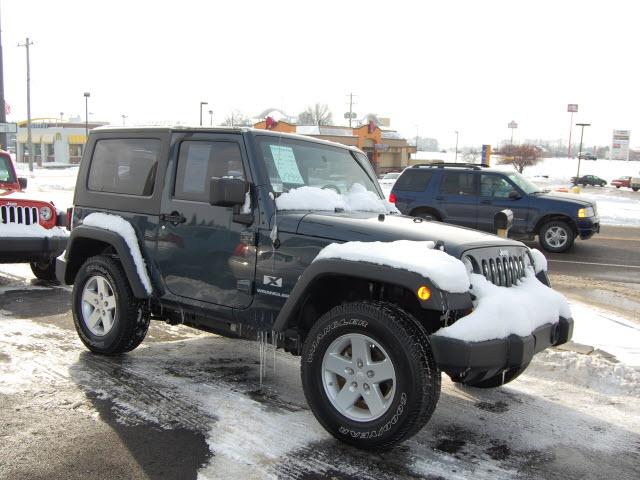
(286, 164)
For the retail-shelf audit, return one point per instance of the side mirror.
(514, 195)
(23, 182)
(227, 192)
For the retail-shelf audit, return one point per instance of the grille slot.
(504, 271)
(19, 215)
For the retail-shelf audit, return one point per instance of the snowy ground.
(570, 415)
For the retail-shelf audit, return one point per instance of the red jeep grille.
(19, 215)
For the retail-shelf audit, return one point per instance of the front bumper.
(588, 227)
(476, 361)
(31, 249)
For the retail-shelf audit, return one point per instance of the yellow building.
(386, 149)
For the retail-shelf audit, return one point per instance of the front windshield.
(525, 185)
(6, 171)
(294, 164)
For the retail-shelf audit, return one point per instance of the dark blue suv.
(470, 195)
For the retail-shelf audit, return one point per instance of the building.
(53, 140)
(386, 149)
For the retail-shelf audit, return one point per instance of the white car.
(389, 179)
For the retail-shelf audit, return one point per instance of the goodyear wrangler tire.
(369, 375)
(107, 317)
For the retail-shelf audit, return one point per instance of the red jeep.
(28, 228)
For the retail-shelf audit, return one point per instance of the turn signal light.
(424, 293)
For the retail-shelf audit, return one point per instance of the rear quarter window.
(413, 181)
(125, 166)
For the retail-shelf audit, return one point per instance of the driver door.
(494, 196)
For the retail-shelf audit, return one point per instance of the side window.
(415, 180)
(458, 183)
(124, 165)
(494, 186)
(199, 161)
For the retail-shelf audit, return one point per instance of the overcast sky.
(441, 66)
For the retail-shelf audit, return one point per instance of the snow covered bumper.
(31, 249)
(475, 361)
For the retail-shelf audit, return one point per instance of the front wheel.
(556, 236)
(45, 270)
(635, 189)
(369, 375)
(107, 317)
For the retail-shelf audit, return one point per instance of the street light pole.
(211, 118)
(456, 160)
(582, 125)
(201, 104)
(27, 44)
(124, 119)
(86, 116)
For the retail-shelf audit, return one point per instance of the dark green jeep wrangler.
(222, 229)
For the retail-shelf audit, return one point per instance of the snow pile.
(500, 312)
(539, 260)
(589, 371)
(358, 198)
(447, 272)
(119, 225)
(12, 230)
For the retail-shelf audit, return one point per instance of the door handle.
(486, 202)
(174, 218)
(439, 197)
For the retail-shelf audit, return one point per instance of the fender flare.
(119, 245)
(439, 300)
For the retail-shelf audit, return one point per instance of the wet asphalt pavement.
(188, 404)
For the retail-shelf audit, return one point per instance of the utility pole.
(3, 113)
(27, 44)
(201, 104)
(211, 118)
(456, 160)
(124, 119)
(350, 108)
(86, 116)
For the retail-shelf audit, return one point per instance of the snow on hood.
(358, 198)
(500, 311)
(117, 224)
(447, 272)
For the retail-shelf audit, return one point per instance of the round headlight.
(45, 213)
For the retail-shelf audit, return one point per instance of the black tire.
(426, 215)
(130, 318)
(498, 380)
(549, 245)
(617, 186)
(45, 270)
(584, 184)
(417, 376)
(635, 189)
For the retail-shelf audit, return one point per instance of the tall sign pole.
(3, 112)
(512, 125)
(573, 108)
(27, 44)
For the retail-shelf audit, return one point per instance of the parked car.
(389, 179)
(634, 183)
(175, 237)
(471, 195)
(29, 230)
(622, 182)
(587, 156)
(592, 180)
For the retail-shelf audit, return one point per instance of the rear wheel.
(556, 236)
(107, 317)
(369, 375)
(635, 189)
(44, 270)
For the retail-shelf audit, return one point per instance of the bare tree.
(520, 156)
(237, 119)
(318, 114)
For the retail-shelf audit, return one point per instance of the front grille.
(19, 215)
(500, 269)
